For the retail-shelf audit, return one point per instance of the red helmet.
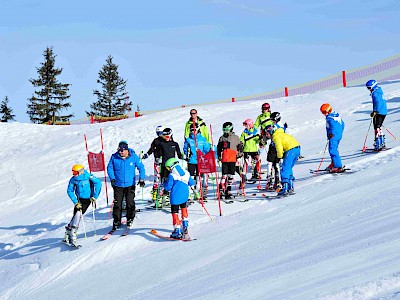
(265, 106)
(326, 108)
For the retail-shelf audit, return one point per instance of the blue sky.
(181, 52)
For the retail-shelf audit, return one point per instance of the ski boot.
(290, 187)
(328, 168)
(177, 233)
(185, 225)
(72, 235)
(129, 223)
(67, 234)
(284, 190)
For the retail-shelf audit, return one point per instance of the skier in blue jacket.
(121, 171)
(83, 190)
(189, 149)
(334, 132)
(177, 183)
(379, 112)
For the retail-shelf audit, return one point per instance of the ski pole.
(323, 156)
(142, 196)
(390, 133)
(94, 220)
(365, 141)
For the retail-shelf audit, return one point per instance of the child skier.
(194, 142)
(229, 148)
(378, 114)
(288, 149)
(157, 160)
(334, 132)
(251, 139)
(264, 119)
(177, 184)
(83, 190)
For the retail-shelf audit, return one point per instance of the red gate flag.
(96, 161)
(206, 162)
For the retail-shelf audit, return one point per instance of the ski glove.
(373, 114)
(113, 182)
(330, 136)
(141, 183)
(78, 206)
(285, 125)
(93, 200)
(144, 156)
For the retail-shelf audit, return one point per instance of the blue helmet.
(371, 84)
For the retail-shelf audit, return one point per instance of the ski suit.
(380, 107)
(167, 150)
(122, 175)
(287, 148)
(250, 139)
(334, 132)
(80, 189)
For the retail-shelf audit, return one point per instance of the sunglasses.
(121, 149)
(193, 113)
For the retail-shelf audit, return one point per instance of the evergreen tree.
(49, 101)
(6, 111)
(111, 99)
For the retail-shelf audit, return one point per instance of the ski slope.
(338, 237)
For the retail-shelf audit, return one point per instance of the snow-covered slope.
(336, 238)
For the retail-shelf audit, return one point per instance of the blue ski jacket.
(123, 170)
(177, 184)
(378, 102)
(189, 147)
(83, 186)
(334, 126)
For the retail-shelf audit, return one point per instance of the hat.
(123, 145)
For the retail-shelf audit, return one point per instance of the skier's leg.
(130, 205)
(117, 207)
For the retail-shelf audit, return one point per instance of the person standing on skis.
(157, 160)
(379, 112)
(194, 142)
(167, 149)
(334, 132)
(287, 149)
(177, 184)
(121, 170)
(199, 123)
(229, 148)
(250, 139)
(83, 190)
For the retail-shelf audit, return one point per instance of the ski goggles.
(75, 173)
(122, 148)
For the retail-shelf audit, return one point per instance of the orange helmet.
(77, 168)
(326, 108)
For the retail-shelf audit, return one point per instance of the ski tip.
(153, 231)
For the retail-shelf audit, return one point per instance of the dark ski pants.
(119, 194)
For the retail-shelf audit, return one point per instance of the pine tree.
(49, 101)
(6, 111)
(111, 100)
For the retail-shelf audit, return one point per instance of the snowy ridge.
(336, 238)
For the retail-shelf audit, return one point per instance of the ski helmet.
(265, 106)
(371, 84)
(159, 130)
(227, 127)
(171, 163)
(275, 116)
(271, 129)
(167, 132)
(76, 169)
(248, 123)
(326, 108)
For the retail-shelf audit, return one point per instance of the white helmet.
(159, 130)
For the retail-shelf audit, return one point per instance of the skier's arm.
(110, 169)
(169, 183)
(71, 191)
(97, 186)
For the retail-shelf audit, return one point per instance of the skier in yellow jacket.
(288, 149)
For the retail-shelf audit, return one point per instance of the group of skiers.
(172, 181)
